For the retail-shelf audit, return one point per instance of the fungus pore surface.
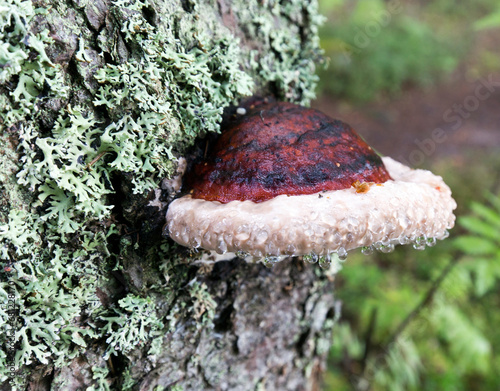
(284, 180)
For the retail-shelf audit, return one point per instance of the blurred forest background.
(420, 81)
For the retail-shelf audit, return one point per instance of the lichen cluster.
(288, 56)
(72, 130)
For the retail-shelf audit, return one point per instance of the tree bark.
(98, 101)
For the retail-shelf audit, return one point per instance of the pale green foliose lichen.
(289, 54)
(61, 153)
(100, 376)
(132, 323)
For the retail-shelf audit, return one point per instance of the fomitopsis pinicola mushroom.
(284, 180)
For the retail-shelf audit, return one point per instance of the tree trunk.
(98, 100)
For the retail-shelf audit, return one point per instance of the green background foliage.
(451, 341)
(378, 47)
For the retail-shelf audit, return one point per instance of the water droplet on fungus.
(342, 253)
(271, 261)
(419, 243)
(367, 250)
(221, 246)
(325, 262)
(311, 258)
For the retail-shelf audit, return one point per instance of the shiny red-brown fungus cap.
(282, 148)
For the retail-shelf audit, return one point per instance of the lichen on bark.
(97, 102)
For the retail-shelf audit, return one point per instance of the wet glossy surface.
(282, 148)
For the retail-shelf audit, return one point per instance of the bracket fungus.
(284, 180)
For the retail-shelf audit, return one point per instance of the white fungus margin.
(416, 207)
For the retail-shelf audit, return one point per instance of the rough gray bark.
(272, 331)
(230, 325)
